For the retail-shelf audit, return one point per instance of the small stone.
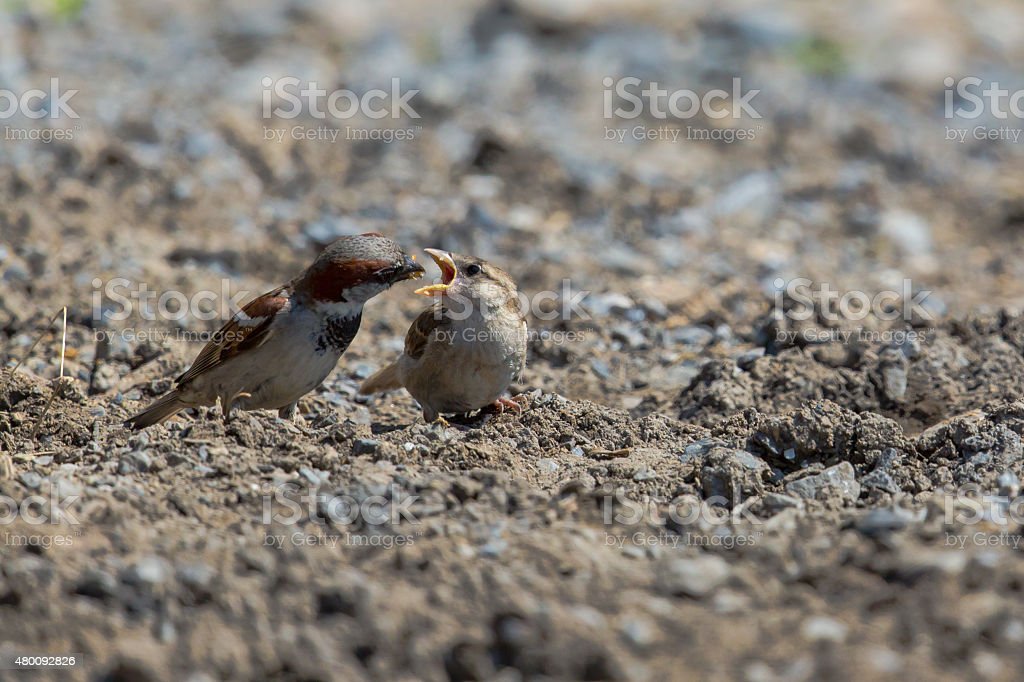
(365, 446)
(823, 629)
(151, 571)
(840, 477)
(1009, 484)
(880, 480)
(547, 465)
(96, 584)
(776, 502)
(31, 480)
(198, 578)
(630, 337)
(691, 336)
(133, 462)
(644, 474)
(639, 632)
(601, 368)
(494, 548)
(312, 476)
(748, 358)
(884, 520)
(894, 382)
(654, 308)
(696, 577)
(603, 305)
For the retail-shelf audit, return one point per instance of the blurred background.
(847, 176)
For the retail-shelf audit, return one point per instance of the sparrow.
(463, 351)
(283, 344)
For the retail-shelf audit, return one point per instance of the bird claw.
(502, 404)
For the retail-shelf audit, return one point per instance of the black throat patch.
(337, 333)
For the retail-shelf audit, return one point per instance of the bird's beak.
(448, 272)
(410, 270)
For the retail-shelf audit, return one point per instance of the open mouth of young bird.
(448, 273)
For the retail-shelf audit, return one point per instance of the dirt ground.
(704, 483)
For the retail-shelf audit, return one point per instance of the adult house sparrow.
(283, 344)
(461, 353)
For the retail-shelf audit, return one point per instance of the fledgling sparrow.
(461, 353)
(282, 345)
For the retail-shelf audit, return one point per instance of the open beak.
(448, 272)
(409, 270)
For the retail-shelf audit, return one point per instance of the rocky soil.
(705, 481)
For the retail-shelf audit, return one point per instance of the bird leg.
(227, 405)
(290, 412)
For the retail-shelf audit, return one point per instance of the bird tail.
(162, 409)
(385, 380)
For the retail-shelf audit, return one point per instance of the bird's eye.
(473, 270)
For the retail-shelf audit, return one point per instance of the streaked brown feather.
(248, 328)
(433, 318)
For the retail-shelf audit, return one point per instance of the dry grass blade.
(49, 325)
(58, 381)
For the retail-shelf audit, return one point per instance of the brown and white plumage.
(283, 344)
(463, 352)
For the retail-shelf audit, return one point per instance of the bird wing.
(430, 320)
(249, 328)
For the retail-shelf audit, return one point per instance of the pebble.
(611, 303)
(776, 502)
(909, 231)
(134, 462)
(639, 632)
(197, 577)
(823, 629)
(601, 368)
(695, 577)
(842, 477)
(1009, 484)
(691, 336)
(880, 480)
(547, 465)
(96, 584)
(365, 446)
(310, 475)
(31, 480)
(629, 336)
(150, 570)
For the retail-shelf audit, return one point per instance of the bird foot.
(502, 404)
